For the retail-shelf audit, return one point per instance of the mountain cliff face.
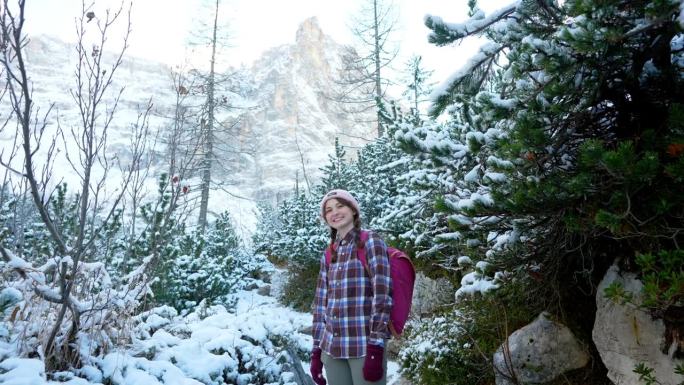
(281, 125)
(295, 120)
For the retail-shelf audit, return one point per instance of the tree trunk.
(378, 85)
(209, 130)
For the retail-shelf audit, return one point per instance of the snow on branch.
(469, 78)
(444, 33)
(95, 304)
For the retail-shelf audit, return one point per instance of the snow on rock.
(464, 260)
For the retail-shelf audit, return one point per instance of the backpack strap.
(328, 256)
(360, 253)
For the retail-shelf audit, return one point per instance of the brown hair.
(333, 231)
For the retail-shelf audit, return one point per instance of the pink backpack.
(403, 276)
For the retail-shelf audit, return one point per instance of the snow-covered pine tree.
(573, 150)
(158, 241)
(416, 79)
(337, 173)
(25, 234)
(301, 236)
(575, 125)
(297, 238)
(374, 175)
(210, 267)
(433, 158)
(267, 225)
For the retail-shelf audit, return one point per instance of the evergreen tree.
(267, 225)
(158, 240)
(416, 80)
(301, 235)
(337, 173)
(563, 155)
(23, 232)
(409, 211)
(209, 267)
(294, 234)
(376, 170)
(569, 141)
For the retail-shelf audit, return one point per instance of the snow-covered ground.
(207, 346)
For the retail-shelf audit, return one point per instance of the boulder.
(264, 290)
(429, 294)
(538, 353)
(278, 281)
(251, 286)
(626, 335)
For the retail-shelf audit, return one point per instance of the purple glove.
(317, 367)
(372, 365)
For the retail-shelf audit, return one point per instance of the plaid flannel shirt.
(350, 308)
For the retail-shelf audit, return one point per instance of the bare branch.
(22, 105)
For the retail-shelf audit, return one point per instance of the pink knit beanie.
(341, 194)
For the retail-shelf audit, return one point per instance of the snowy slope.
(200, 348)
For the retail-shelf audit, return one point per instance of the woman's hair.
(333, 231)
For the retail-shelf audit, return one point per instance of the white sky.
(160, 27)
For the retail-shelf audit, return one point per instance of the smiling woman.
(352, 302)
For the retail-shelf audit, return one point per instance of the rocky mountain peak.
(310, 48)
(296, 113)
(309, 32)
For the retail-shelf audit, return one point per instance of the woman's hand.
(316, 368)
(372, 365)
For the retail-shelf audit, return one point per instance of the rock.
(429, 294)
(278, 281)
(393, 347)
(539, 352)
(626, 335)
(252, 286)
(264, 290)
(292, 89)
(307, 330)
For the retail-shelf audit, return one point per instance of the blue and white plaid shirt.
(350, 308)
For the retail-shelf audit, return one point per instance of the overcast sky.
(160, 27)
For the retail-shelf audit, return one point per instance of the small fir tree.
(337, 174)
(416, 80)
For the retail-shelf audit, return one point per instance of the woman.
(352, 304)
